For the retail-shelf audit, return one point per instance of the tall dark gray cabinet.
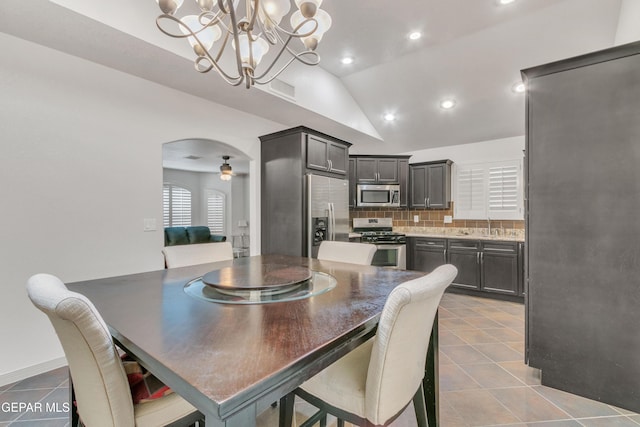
(287, 158)
(582, 224)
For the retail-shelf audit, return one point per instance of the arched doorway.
(195, 194)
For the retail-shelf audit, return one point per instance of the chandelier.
(219, 24)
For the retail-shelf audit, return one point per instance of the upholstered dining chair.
(374, 383)
(102, 392)
(201, 253)
(351, 252)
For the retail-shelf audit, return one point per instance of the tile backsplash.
(432, 221)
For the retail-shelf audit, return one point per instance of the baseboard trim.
(30, 371)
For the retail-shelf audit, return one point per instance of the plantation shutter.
(503, 189)
(488, 190)
(470, 199)
(176, 206)
(215, 212)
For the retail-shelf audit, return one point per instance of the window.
(215, 211)
(489, 190)
(176, 206)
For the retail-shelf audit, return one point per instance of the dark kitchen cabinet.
(370, 169)
(352, 183)
(377, 170)
(286, 158)
(582, 269)
(485, 267)
(465, 256)
(403, 178)
(426, 254)
(499, 267)
(326, 155)
(430, 185)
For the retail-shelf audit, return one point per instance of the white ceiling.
(472, 50)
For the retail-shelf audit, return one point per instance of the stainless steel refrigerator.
(327, 211)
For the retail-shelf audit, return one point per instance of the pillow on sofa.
(199, 234)
(175, 236)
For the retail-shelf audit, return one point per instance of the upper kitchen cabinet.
(373, 169)
(430, 184)
(326, 155)
(377, 170)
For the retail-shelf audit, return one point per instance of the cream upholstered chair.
(100, 384)
(374, 383)
(354, 253)
(201, 253)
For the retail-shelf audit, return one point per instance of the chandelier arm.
(299, 55)
(234, 81)
(282, 49)
(268, 34)
(294, 32)
(236, 38)
(250, 42)
(222, 46)
(214, 18)
(174, 19)
(222, 8)
(181, 24)
(295, 56)
(254, 15)
(219, 69)
(259, 80)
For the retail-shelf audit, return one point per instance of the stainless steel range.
(391, 245)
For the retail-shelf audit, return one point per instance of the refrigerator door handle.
(332, 222)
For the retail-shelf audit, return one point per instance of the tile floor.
(483, 381)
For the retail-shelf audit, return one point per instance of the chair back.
(353, 253)
(99, 380)
(200, 253)
(396, 367)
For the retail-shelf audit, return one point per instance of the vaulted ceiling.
(471, 50)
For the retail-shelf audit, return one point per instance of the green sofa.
(189, 235)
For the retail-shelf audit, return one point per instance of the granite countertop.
(510, 235)
(478, 236)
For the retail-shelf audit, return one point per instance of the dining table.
(232, 356)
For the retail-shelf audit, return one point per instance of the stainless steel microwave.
(378, 195)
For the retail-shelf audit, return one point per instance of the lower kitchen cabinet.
(465, 256)
(426, 254)
(485, 267)
(499, 267)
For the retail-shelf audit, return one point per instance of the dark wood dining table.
(233, 361)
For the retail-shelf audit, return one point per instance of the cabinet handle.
(330, 165)
(425, 202)
(428, 203)
(478, 257)
(445, 255)
(481, 257)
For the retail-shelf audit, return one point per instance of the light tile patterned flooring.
(483, 381)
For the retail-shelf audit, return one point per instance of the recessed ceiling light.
(505, 1)
(518, 87)
(347, 60)
(389, 117)
(415, 35)
(447, 104)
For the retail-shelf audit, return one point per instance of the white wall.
(81, 167)
(628, 22)
(485, 151)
